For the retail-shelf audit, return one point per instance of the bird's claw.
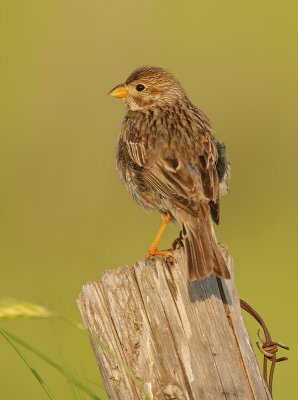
(156, 252)
(178, 243)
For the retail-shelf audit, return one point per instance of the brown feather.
(171, 162)
(215, 211)
(203, 255)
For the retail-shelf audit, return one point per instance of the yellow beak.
(119, 91)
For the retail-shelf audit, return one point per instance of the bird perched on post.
(170, 161)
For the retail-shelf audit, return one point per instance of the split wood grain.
(184, 341)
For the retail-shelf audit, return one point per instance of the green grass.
(9, 338)
(10, 310)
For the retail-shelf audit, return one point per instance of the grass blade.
(32, 369)
(53, 364)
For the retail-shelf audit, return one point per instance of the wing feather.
(186, 175)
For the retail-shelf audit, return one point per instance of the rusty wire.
(267, 346)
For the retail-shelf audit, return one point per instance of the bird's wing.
(187, 176)
(183, 172)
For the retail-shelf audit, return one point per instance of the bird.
(170, 161)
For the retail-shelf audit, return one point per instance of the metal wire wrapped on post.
(268, 347)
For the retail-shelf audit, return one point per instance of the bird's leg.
(178, 243)
(153, 251)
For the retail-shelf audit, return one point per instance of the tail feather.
(203, 255)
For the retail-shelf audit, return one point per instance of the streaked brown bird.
(170, 161)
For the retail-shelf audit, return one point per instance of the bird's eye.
(140, 87)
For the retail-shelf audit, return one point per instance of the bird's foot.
(155, 252)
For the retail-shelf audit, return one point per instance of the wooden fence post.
(184, 341)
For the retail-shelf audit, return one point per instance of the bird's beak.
(119, 91)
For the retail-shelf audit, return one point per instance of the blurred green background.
(65, 216)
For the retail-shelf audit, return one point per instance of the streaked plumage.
(170, 161)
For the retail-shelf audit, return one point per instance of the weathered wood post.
(184, 341)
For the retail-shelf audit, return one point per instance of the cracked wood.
(184, 341)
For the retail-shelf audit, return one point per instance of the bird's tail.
(203, 255)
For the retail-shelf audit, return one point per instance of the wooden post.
(184, 341)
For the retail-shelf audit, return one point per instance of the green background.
(65, 217)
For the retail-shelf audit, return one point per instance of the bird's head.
(149, 87)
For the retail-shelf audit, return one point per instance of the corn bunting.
(171, 162)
